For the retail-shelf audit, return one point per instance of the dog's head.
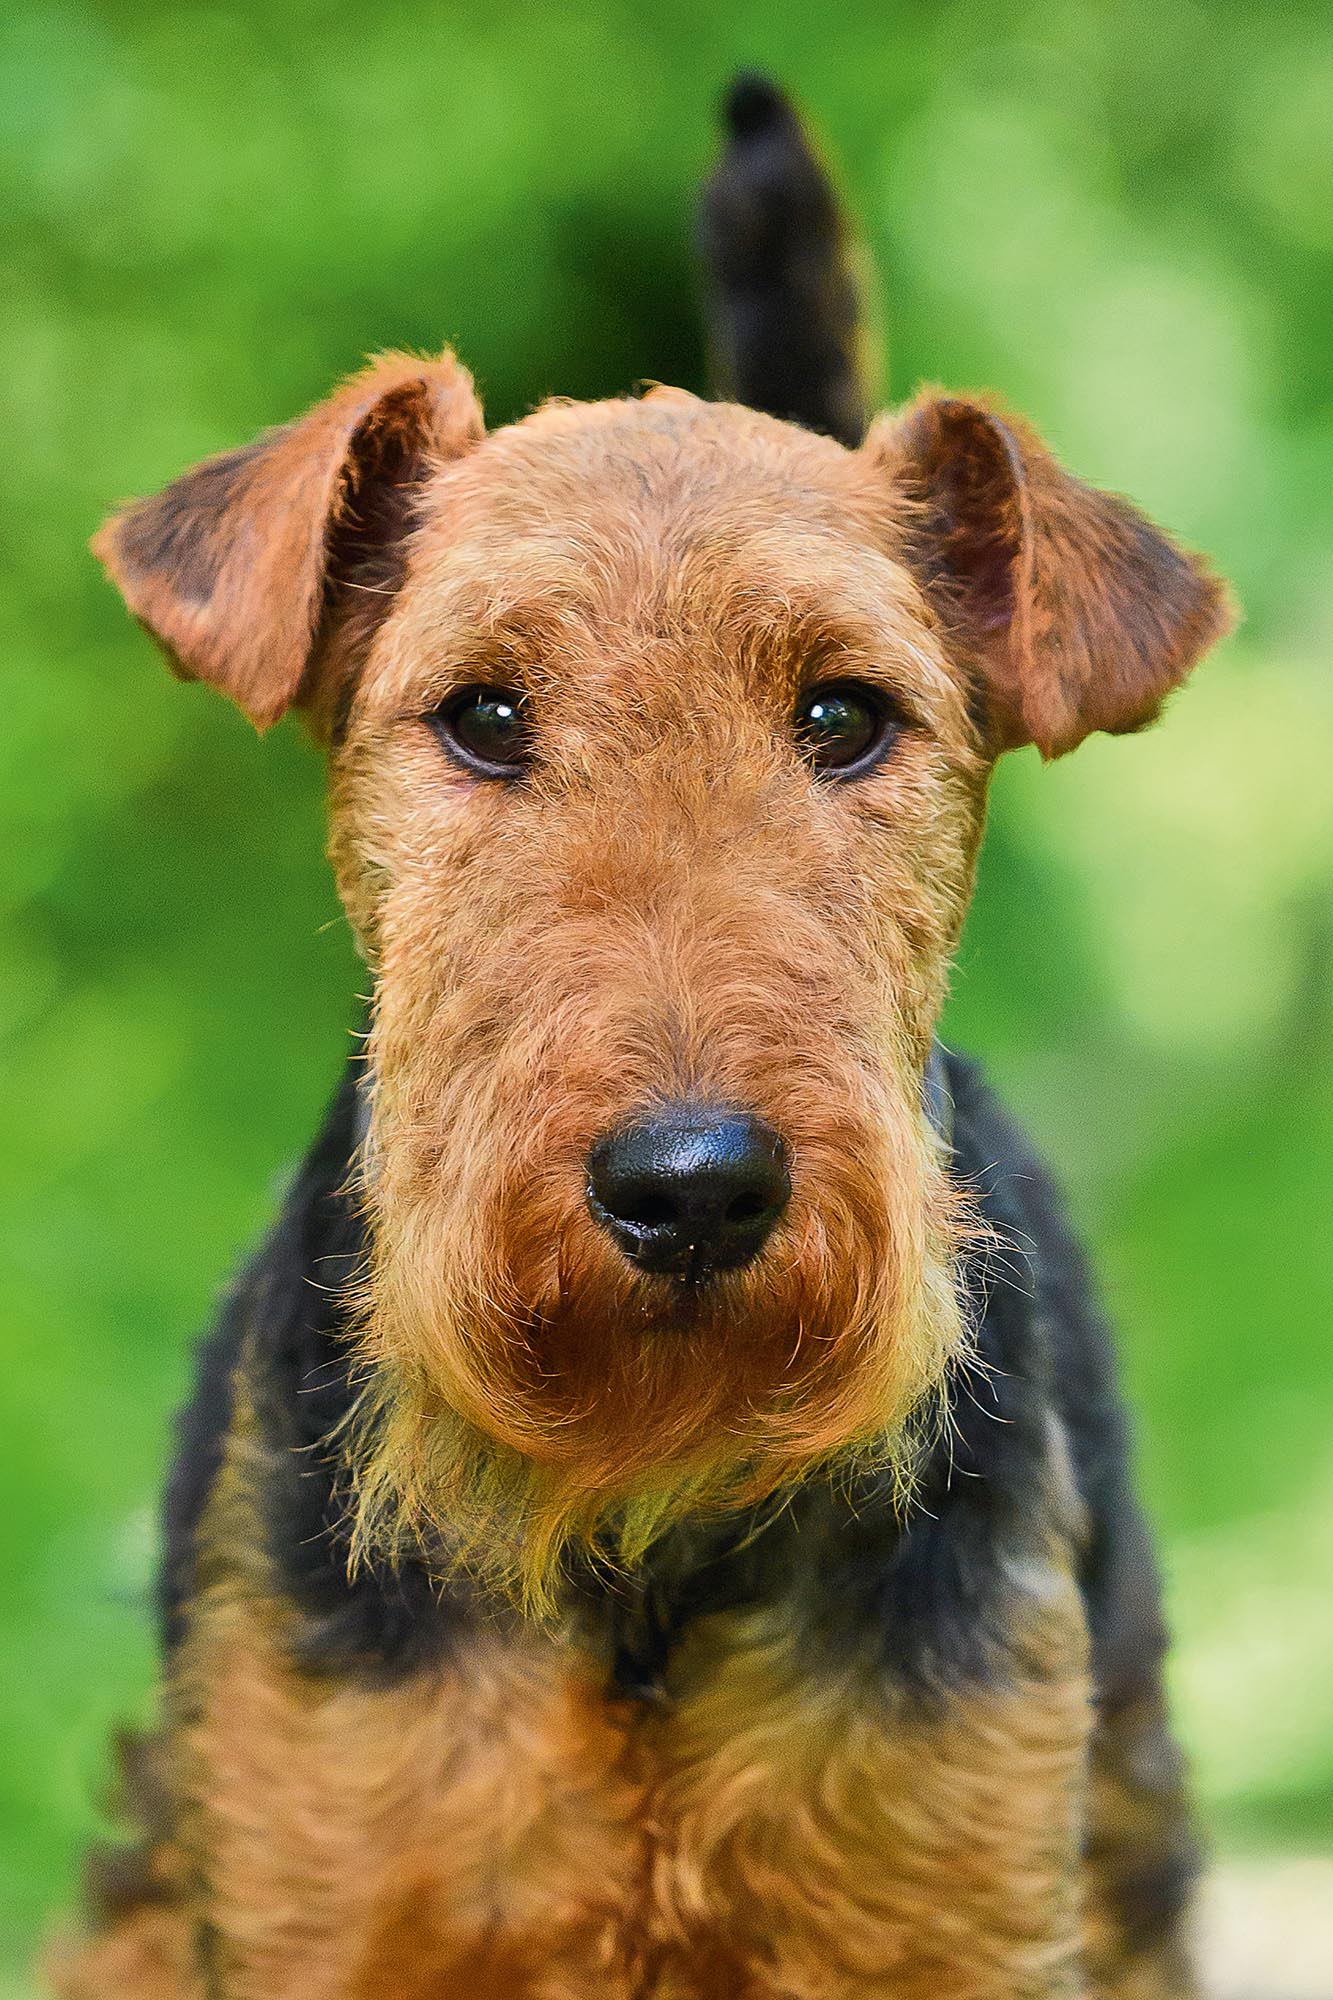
(659, 734)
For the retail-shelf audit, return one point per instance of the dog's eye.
(845, 729)
(486, 729)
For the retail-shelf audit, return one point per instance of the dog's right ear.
(235, 566)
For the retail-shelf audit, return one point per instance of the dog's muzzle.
(690, 1190)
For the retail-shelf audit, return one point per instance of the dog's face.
(681, 958)
(659, 734)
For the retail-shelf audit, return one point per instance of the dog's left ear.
(1075, 611)
(238, 566)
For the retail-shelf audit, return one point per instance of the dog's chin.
(615, 1417)
(438, 1490)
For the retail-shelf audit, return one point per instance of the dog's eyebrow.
(853, 624)
(482, 635)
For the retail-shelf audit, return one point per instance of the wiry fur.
(539, 1626)
(605, 957)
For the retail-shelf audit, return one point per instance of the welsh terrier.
(655, 1518)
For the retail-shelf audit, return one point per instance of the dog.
(656, 1516)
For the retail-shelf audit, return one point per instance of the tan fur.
(497, 1313)
(496, 1827)
(229, 568)
(840, 1845)
(473, 1831)
(1079, 614)
(668, 905)
(149, 1954)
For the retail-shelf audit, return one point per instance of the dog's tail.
(787, 280)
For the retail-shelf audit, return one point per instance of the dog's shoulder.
(1042, 1322)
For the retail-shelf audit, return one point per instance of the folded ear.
(234, 566)
(1076, 612)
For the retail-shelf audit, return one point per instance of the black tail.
(784, 273)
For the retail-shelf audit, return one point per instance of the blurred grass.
(1119, 216)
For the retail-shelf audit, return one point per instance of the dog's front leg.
(854, 1837)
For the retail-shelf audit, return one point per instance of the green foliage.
(1120, 216)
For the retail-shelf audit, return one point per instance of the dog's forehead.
(625, 482)
(661, 514)
(659, 451)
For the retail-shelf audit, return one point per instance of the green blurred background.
(1119, 215)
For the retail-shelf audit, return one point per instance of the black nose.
(690, 1189)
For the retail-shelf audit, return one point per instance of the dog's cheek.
(359, 853)
(918, 845)
(407, 835)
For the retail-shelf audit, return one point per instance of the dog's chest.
(509, 1809)
(567, 1819)
(517, 1824)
